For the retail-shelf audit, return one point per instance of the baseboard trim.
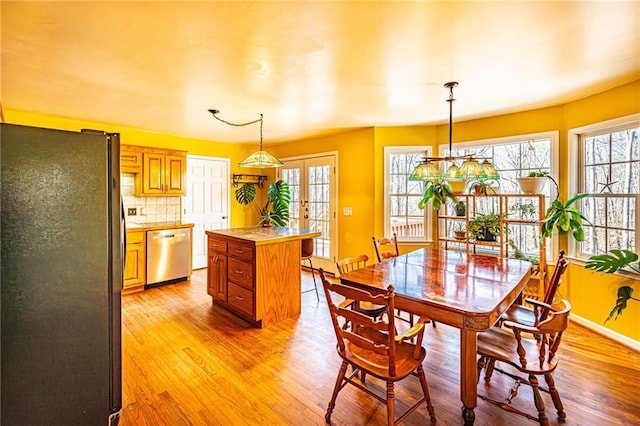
(616, 337)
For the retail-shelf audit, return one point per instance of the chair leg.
(425, 390)
(488, 372)
(482, 362)
(555, 396)
(537, 398)
(315, 285)
(390, 405)
(336, 389)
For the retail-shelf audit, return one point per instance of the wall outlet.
(132, 211)
(347, 211)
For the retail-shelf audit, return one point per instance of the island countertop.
(260, 235)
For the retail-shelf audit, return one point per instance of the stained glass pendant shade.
(260, 159)
(470, 168)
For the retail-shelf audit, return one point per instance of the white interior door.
(206, 204)
(313, 203)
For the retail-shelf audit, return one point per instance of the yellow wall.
(356, 171)
(361, 180)
(239, 215)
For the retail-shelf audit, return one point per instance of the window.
(609, 171)
(515, 157)
(402, 214)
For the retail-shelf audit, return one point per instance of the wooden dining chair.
(351, 264)
(529, 357)
(374, 348)
(386, 248)
(306, 249)
(531, 316)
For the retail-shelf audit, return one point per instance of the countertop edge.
(144, 228)
(224, 233)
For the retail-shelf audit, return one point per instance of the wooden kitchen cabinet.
(135, 265)
(217, 270)
(131, 159)
(163, 174)
(255, 272)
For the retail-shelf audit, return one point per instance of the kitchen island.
(255, 271)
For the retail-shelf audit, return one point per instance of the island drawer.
(217, 245)
(240, 273)
(241, 251)
(241, 299)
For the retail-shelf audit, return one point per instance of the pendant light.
(470, 167)
(259, 159)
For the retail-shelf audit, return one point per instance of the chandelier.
(470, 167)
(259, 159)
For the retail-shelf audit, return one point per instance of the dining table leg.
(468, 375)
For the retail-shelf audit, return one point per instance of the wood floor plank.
(189, 362)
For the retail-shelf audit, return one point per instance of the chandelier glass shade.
(469, 169)
(260, 159)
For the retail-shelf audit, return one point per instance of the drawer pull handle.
(239, 251)
(239, 298)
(239, 272)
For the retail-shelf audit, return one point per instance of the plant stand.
(517, 224)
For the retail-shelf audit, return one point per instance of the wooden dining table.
(466, 291)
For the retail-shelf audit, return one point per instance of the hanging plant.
(437, 193)
(564, 217)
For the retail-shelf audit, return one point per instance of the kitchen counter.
(255, 271)
(135, 270)
(154, 226)
(261, 235)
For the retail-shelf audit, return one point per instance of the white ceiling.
(310, 67)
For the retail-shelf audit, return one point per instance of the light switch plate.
(347, 211)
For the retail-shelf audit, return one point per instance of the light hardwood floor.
(188, 362)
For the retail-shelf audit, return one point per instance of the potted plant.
(276, 209)
(564, 217)
(437, 193)
(614, 261)
(484, 227)
(482, 187)
(459, 233)
(461, 208)
(524, 210)
(534, 182)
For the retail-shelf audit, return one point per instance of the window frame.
(576, 166)
(428, 216)
(554, 152)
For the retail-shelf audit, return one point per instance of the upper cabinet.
(158, 172)
(130, 159)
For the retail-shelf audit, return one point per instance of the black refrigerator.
(61, 263)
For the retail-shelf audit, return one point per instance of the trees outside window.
(609, 165)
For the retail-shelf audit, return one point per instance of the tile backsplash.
(149, 209)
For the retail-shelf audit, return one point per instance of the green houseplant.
(611, 262)
(564, 217)
(437, 193)
(483, 187)
(275, 210)
(484, 227)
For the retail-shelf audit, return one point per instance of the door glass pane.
(292, 177)
(319, 209)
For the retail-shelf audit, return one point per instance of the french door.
(312, 182)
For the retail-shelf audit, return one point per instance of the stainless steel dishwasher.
(168, 255)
